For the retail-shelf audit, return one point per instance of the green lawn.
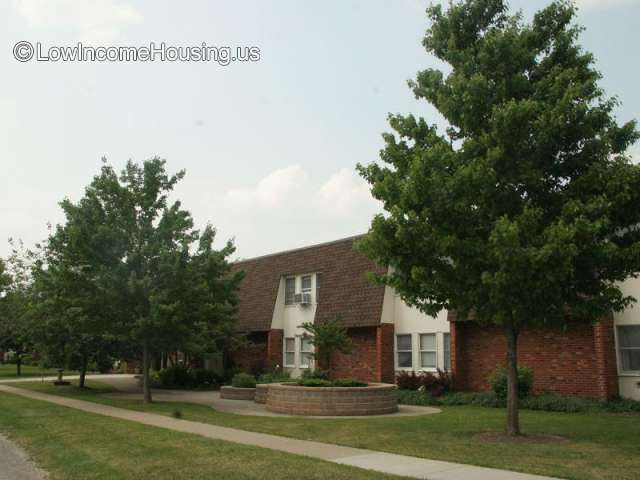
(8, 370)
(601, 446)
(71, 445)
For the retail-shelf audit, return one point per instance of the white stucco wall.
(410, 320)
(290, 317)
(629, 383)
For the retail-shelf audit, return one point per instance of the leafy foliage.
(524, 211)
(498, 382)
(128, 266)
(316, 373)
(243, 380)
(434, 384)
(328, 337)
(545, 402)
(180, 376)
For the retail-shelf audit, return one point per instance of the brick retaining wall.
(376, 399)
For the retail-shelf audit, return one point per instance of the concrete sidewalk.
(368, 459)
(96, 376)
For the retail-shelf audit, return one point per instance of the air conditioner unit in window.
(306, 299)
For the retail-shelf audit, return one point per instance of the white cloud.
(345, 192)
(289, 208)
(585, 5)
(93, 21)
(271, 191)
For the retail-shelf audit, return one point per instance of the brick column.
(274, 347)
(605, 355)
(385, 371)
(456, 331)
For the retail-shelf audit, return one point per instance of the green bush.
(546, 402)
(317, 373)
(349, 382)
(180, 376)
(498, 382)
(314, 382)
(277, 376)
(243, 380)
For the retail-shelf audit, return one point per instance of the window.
(289, 290)
(289, 352)
(447, 350)
(428, 351)
(306, 349)
(306, 284)
(629, 347)
(318, 277)
(404, 351)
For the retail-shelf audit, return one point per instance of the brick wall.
(384, 350)
(362, 361)
(253, 358)
(579, 360)
(274, 347)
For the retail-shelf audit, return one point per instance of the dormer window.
(289, 290)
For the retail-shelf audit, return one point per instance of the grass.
(8, 370)
(73, 445)
(601, 446)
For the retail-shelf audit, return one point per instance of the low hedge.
(180, 376)
(243, 380)
(320, 382)
(544, 402)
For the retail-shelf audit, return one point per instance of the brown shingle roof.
(345, 289)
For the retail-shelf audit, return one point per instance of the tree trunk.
(83, 370)
(513, 421)
(19, 364)
(146, 384)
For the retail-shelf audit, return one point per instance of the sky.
(269, 147)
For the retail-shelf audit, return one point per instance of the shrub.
(243, 380)
(349, 382)
(277, 375)
(408, 380)
(498, 382)
(313, 382)
(180, 376)
(175, 376)
(434, 384)
(176, 413)
(316, 373)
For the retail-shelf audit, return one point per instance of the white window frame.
(446, 351)
(317, 286)
(398, 351)
(302, 352)
(285, 351)
(619, 349)
(421, 351)
(288, 303)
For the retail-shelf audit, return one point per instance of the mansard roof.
(345, 289)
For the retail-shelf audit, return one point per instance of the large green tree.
(78, 283)
(151, 277)
(16, 294)
(524, 212)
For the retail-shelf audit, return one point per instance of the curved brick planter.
(234, 393)
(375, 399)
(261, 393)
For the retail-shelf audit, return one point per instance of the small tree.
(526, 212)
(15, 300)
(328, 338)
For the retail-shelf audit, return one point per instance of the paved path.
(15, 464)
(383, 462)
(68, 377)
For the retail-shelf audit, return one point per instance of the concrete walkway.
(15, 464)
(382, 462)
